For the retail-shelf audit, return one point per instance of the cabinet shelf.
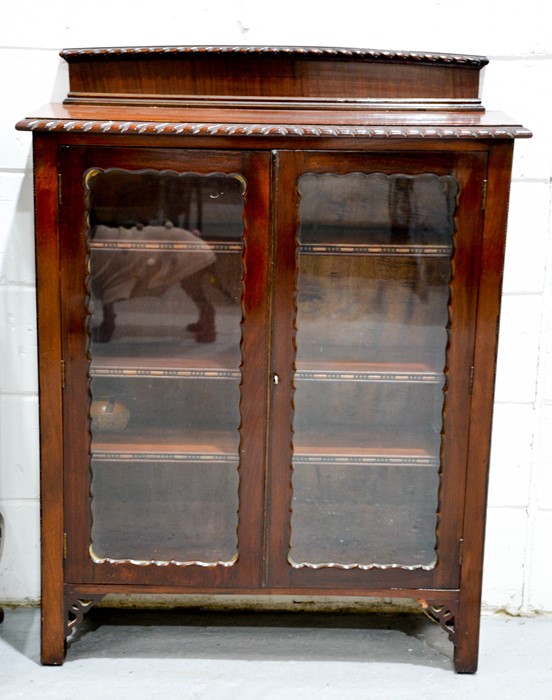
(148, 445)
(165, 359)
(224, 367)
(367, 372)
(363, 449)
(366, 457)
(377, 250)
(164, 367)
(167, 246)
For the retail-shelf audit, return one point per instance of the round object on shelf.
(109, 416)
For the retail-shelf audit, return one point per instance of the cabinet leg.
(59, 621)
(52, 651)
(465, 658)
(466, 645)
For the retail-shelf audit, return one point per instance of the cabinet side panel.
(500, 163)
(50, 383)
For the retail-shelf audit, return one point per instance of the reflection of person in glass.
(120, 274)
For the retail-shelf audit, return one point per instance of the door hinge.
(63, 374)
(484, 196)
(460, 551)
(60, 195)
(65, 545)
(472, 368)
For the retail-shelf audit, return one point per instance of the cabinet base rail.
(440, 606)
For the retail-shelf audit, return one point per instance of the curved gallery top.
(273, 91)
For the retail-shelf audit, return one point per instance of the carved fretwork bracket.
(76, 607)
(444, 614)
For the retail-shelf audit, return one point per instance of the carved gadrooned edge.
(299, 51)
(272, 130)
(444, 614)
(76, 607)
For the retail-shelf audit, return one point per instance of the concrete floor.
(196, 654)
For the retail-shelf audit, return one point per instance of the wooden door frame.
(470, 169)
(79, 565)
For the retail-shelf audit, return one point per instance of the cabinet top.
(272, 90)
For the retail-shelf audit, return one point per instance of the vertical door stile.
(76, 436)
(281, 379)
(255, 367)
(271, 366)
(464, 295)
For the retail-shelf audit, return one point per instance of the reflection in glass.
(374, 258)
(165, 256)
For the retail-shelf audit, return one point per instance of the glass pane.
(374, 258)
(187, 512)
(165, 289)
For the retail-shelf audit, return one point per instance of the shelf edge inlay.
(172, 246)
(376, 250)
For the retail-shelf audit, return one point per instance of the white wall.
(518, 81)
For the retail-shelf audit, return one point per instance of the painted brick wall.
(518, 80)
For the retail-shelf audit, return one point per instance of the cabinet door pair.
(267, 366)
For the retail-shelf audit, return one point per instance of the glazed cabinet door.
(164, 279)
(373, 335)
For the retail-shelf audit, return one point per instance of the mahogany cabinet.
(268, 298)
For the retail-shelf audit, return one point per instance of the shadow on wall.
(19, 470)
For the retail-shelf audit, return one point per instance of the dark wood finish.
(244, 74)
(469, 171)
(77, 477)
(269, 115)
(500, 163)
(50, 398)
(313, 125)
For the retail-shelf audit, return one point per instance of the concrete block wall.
(517, 81)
